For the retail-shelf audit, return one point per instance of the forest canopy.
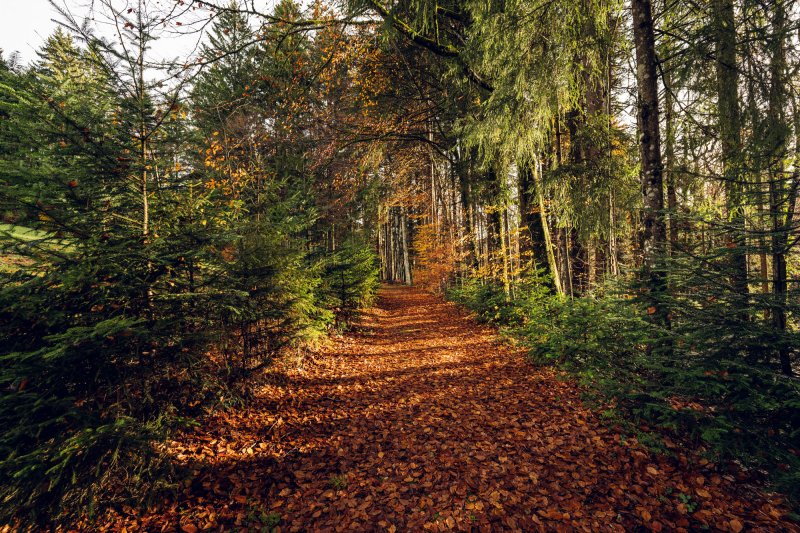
(612, 184)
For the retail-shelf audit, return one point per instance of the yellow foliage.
(437, 258)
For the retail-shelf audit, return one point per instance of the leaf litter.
(422, 420)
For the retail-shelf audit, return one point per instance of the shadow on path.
(422, 421)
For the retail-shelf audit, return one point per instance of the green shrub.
(350, 279)
(707, 381)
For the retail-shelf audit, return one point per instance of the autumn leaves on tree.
(613, 184)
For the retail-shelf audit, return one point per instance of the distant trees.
(674, 197)
(532, 129)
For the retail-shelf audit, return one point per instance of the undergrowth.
(701, 381)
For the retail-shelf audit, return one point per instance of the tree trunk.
(669, 162)
(548, 241)
(504, 251)
(407, 279)
(655, 231)
(534, 241)
(777, 139)
(471, 250)
(729, 122)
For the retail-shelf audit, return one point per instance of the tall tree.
(655, 232)
(729, 125)
(783, 192)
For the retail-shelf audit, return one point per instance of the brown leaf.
(477, 437)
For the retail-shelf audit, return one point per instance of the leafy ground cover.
(421, 419)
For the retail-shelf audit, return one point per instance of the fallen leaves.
(421, 421)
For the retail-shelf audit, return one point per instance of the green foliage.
(150, 265)
(351, 279)
(91, 338)
(489, 302)
(687, 500)
(261, 520)
(338, 482)
(703, 387)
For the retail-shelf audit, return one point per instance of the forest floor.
(422, 420)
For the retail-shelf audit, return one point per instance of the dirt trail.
(422, 420)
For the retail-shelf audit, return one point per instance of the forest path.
(423, 420)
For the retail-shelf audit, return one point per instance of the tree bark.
(669, 161)
(778, 197)
(404, 241)
(535, 242)
(655, 231)
(729, 122)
